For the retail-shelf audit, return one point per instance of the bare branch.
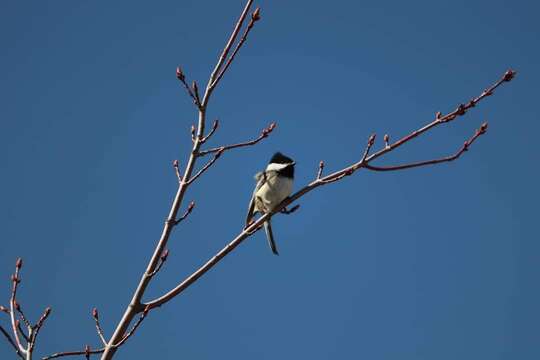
(11, 342)
(370, 143)
(162, 258)
(464, 148)
(36, 329)
(135, 327)
(264, 134)
(21, 331)
(225, 51)
(135, 306)
(85, 352)
(206, 167)
(214, 128)
(196, 92)
(320, 171)
(186, 214)
(254, 18)
(195, 96)
(176, 167)
(338, 175)
(15, 280)
(99, 330)
(21, 314)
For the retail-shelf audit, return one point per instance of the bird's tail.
(270, 237)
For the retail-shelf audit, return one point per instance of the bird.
(274, 185)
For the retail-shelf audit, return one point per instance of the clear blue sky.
(434, 263)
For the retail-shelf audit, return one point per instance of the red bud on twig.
(164, 255)
(175, 164)
(483, 128)
(19, 263)
(256, 16)
(95, 313)
(509, 75)
(371, 140)
(180, 74)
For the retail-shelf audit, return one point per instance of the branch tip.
(180, 74)
(509, 75)
(321, 168)
(19, 263)
(95, 314)
(256, 16)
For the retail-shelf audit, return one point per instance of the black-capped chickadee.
(273, 186)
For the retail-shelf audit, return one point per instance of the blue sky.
(433, 263)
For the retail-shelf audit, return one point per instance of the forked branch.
(23, 342)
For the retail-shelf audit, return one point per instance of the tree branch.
(206, 166)
(254, 18)
(482, 130)
(321, 181)
(264, 134)
(11, 342)
(135, 306)
(99, 330)
(74, 353)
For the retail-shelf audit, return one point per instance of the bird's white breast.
(273, 192)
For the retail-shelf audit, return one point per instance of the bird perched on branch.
(274, 185)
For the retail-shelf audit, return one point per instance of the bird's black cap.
(279, 158)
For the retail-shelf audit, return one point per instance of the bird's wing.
(261, 180)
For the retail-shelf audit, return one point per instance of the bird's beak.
(294, 162)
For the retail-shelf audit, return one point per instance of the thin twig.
(12, 343)
(134, 328)
(227, 47)
(320, 171)
(21, 314)
(95, 315)
(176, 167)
(212, 131)
(264, 134)
(162, 258)
(74, 353)
(206, 166)
(186, 214)
(182, 77)
(15, 280)
(254, 18)
(464, 148)
(21, 331)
